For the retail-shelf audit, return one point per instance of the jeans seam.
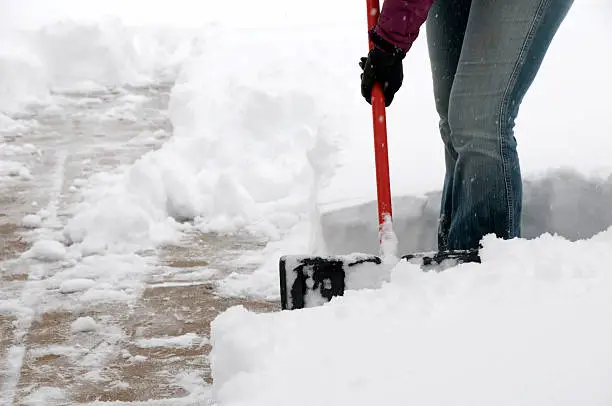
(504, 108)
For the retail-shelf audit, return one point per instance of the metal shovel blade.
(312, 281)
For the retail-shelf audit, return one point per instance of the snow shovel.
(308, 281)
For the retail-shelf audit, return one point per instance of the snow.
(271, 137)
(139, 358)
(185, 340)
(524, 327)
(60, 350)
(561, 202)
(32, 221)
(45, 396)
(76, 285)
(261, 145)
(388, 241)
(99, 278)
(84, 325)
(23, 77)
(21, 172)
(47, 250)
(84, 57)
(197, 176)
(191, 382)
(14, 170)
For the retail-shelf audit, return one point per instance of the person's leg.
(445, 28)
(504, 45)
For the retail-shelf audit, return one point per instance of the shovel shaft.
(381, 153)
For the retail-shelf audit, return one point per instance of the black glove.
(383, 65)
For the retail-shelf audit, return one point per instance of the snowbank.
(47, 250)
(562, 202)
(78, 56)
(254, 136)
(253, 131)
(22, 74)
(528, 326)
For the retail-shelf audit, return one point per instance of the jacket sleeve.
(400, 21)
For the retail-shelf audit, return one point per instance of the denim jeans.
(484, 56)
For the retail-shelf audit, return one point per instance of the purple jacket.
(400, 21)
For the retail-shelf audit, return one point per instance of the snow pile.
(107, 53)
(253, 136)
(22, 74)
(31, 221)
(9, 126)
(100, 278)
(14, 170)
(47, 250)
(560, 202)
(253, 141)
(84, 325)
(137, 220)
(80, 56)
(13, 158)
(528, 326)
(76, 285)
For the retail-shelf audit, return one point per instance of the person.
(484, 55)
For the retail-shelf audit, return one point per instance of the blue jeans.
(484, 56)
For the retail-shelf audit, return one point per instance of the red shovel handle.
(381, 154)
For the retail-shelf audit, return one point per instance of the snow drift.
(528, 326)
(78, 56)
(562, 202)
(22, 75)
(252, 143)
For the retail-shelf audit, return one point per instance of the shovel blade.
(312, 281)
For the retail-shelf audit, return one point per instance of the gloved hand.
(383, 65)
